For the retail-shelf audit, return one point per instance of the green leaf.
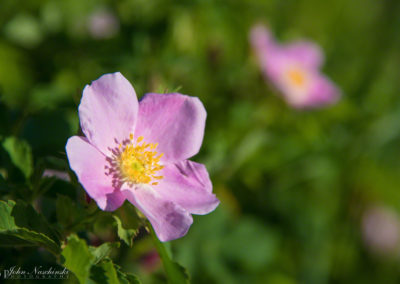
(78, 258)
(102, 251)
(108, 272)
(126, 235)
(92, 265)
(126, 278)
(20, 154)
(176, 274)
(21, 225)
(128, 216)
(6, 220)
(25, 238)
(104, 273)
(27, 217)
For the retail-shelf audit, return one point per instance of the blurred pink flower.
(117, 158)
(102, 24)
(294, 69)
(150, 261)
(381, 230)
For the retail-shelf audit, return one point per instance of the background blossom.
(294, 69)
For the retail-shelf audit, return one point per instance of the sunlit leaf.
(104, 273)
(78, 258)
(92, 265)
(126, 278)
(20, 153)
(108, 272)
(102, 251)
(126, 235)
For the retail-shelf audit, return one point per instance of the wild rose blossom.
(381, 229)
(294, 69)
(138, 151)
(103, 24)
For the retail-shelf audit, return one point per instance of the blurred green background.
(306, 196)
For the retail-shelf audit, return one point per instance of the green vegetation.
(299, 190)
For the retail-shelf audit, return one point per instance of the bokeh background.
(306, 196)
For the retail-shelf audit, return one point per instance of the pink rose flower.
(294, 69)
(103, 24)
(381, 230)
(138, 151)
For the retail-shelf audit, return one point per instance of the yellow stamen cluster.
(297, 77)
(138, 162)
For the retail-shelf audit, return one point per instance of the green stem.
(175, 273)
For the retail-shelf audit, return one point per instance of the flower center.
(296, 76)
(135, 162)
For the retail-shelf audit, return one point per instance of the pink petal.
(261, 39)
(275, 65)
(89, 165)
(305, 53)
(323, 92)
(111, 201)
(266, 49)
(108, 111)
(169, 220)
(174, 121)
(187, 184)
